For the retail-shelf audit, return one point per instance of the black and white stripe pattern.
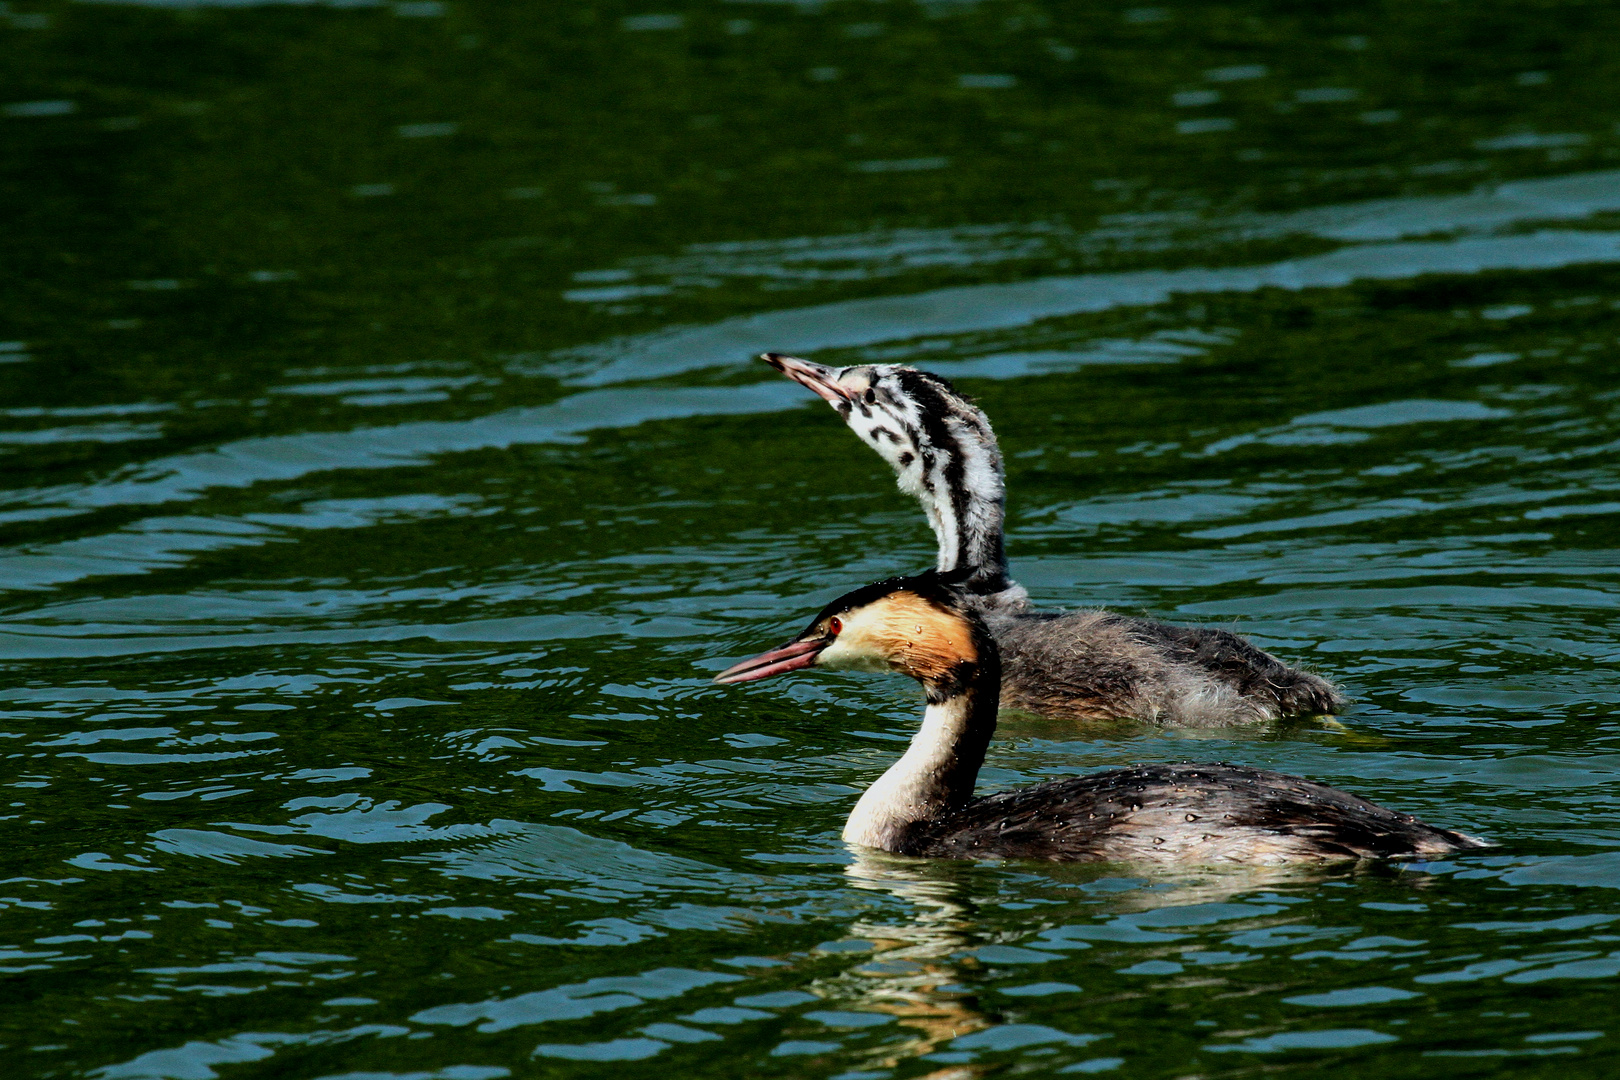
(1087, 665)
(943, 453)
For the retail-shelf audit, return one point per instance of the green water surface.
(385, 474)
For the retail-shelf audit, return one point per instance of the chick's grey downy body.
(1083, 665)
(1094, 665)
(924, 803)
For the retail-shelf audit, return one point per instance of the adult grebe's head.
(917, 626)
(939, 445)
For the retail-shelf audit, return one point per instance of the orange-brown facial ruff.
(906, 632)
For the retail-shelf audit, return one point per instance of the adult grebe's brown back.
(927, 628)
(1081, 664)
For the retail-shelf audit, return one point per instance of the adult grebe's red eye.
(835, 626)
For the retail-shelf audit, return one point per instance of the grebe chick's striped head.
(939, 445)
(916, 626)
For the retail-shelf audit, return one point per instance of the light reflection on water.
(366, 560)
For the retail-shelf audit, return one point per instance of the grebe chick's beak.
(794, 656)
(817, 377)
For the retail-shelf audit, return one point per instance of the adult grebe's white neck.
(938, 770)
(924, 627)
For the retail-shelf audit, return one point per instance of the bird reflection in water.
(923, 973)
(914, 974)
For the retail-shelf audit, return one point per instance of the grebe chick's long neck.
(943, 454)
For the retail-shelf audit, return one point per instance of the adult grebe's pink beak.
(784, 658)
(818, 377)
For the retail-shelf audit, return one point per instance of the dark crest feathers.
(939, 587)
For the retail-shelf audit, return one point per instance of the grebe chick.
(924, 804)
(1085, 665)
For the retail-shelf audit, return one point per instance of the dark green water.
(385, 474)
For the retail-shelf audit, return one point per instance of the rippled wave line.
(858, 322)
(887, 253)
(978, 308)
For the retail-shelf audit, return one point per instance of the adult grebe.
(924, 804)
(1083, 664)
